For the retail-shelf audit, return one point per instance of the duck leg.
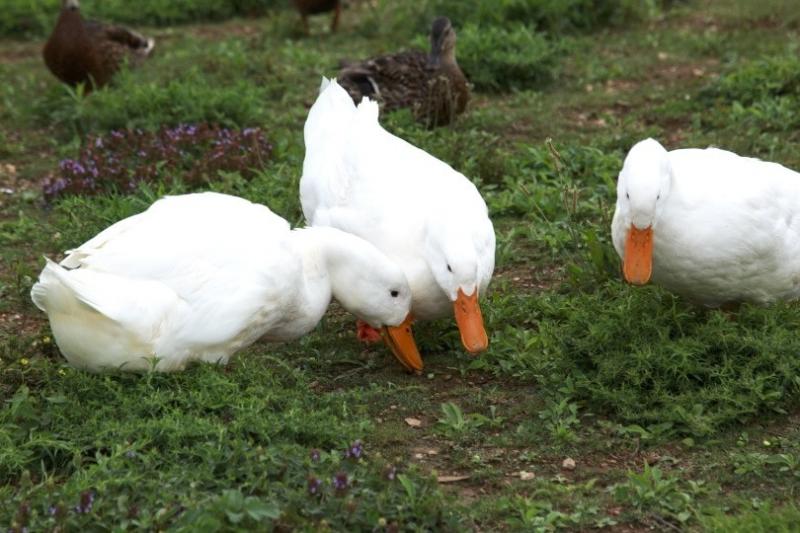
(366, 333)
(336, 13)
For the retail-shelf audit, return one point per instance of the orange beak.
(400, 340)
(470, 322)
(637, 266)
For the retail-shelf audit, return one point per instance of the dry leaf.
(451, 479)
(413, 422)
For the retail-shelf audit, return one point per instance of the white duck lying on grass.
(199, 276)
(427, 217)
(709, 225)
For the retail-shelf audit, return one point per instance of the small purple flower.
(355, 450)
(52, 510)
(314, 455)
(85, 505)
(314, 485)
(98, 142)
(340, 481)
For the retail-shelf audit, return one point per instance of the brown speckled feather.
(81, 51)
(435, 91)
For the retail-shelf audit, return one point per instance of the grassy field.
(597, 405)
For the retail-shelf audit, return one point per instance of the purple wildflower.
(355, 450)
(123, 158)
(339, 481)
(314, 485)
(86, 503)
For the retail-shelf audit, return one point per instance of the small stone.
(413, 422)
(526, 476)
(568, 464)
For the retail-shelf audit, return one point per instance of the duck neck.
(346, 261)
(70, 25)
(444, 59)
(316, 280)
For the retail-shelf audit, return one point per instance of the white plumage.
(424, 215)
(199, 276)
(725, 228)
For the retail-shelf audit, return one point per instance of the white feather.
(727, 229)
(199, 276)
(360, 178)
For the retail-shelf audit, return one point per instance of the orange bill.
(637, 266)
(400, 340)
(470, 322)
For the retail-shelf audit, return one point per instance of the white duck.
(710, 225)
(199, 276)
(424, 215)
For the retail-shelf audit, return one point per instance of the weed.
(498, 59)
(122, 160)
(651, 492)
(455, 422)
(560, 418)
(767, 519)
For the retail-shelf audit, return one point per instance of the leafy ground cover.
(597, 405)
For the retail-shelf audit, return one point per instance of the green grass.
(37, 17)
(675, 417)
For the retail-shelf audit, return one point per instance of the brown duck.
(432, 85)
(312, 7)
(90, 52)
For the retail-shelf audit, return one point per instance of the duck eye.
(449, 269)
(628, 196)
(658, 196)
(394, 293)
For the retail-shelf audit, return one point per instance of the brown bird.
(432, 85)
(312, 7)
(90, 52)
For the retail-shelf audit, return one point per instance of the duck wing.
(396, 80)
(125, 38)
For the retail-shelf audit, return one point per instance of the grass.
(675, 417)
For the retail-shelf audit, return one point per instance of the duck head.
(374, 288)
(443, 42)
(642, 189)
(453, 260)
(70, 5)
